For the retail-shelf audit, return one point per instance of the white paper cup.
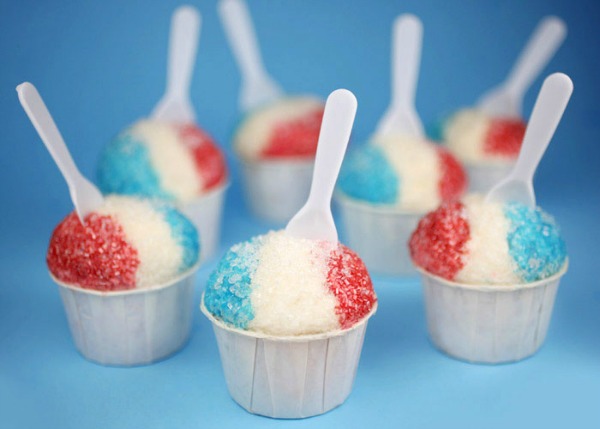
(489, 323)
(276, 189)
(483, 177)
(379, 235)
(206, 214)
(132, 327)
(289, 377)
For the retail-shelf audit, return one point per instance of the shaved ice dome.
(286, 128)
(279, 285)
(475, 137)
(476, 242)
(153, 159)
(404, 172)
(126, 243)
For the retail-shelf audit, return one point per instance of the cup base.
(483, 177)
(289, 377)
(206, 213)
(489, 324)
(130, 328)
(379, 235)
(276, 189)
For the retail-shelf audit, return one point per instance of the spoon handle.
(406, 59)
(549, 108)
(183, 45)
(257, 85)
(44, 124)
(545, 117)
(175, 105)
(545, 41)
(314, 220)
(401, 116)
(338, 118)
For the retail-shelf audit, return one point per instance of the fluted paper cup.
(379, 235)
(206, 213)
(131, 327)
(489, 323)
(276, 189)
(289, 377)
(483, 177)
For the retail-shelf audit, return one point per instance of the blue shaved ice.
(227, 294)
(125, 168)
(367, 175)
(184, 233)
(534, 241)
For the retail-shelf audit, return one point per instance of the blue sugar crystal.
(125, 168)
(185, 234)
(367, 175)
(227, 294)
(534, 242)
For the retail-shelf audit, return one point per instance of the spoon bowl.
(258, 87)
(501, 102)
(506, 99)
(401, 116)
(175, 106)
(314, 220)
(547, 112)
(85, 196)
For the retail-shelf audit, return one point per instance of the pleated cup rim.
(489, 163)
(342, 198)
(289, 161)
(183, 276)
(286, 338)
(222, 187)
(495, 287)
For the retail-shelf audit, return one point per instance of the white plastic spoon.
(175, 105)
(401, 116)
(549, 108)
(314, 220)
(257, 86)
(507, 99)
(84, 194)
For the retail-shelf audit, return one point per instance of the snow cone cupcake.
(290, 308)
(126, 280)
(168, 156)
(276, 146)
(385, 187)
(487, 138)
(387, 184)
(490, 276)
(486, 145)
(277, 137)
(124, 266)
(491, 265)
(277, 302)
(179, 164)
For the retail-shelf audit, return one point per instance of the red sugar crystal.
(439, 242)
(209, 159)
(295, 138)
(453, 180)
(349, 281)
(504, 137)
(94, 256)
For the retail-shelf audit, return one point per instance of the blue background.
(101, 65)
